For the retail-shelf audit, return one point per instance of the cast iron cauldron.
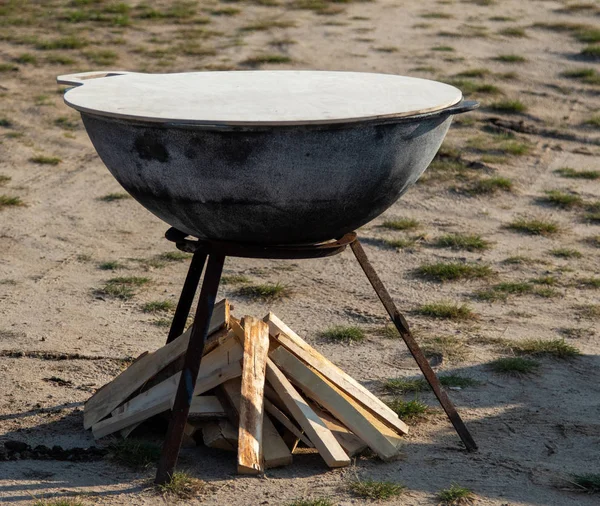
(265, 157)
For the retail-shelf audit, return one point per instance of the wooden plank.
(291, 341)
(221, 364)
(275, 451)
(321, 391)
(250, 440)
(204, 407)
(276, 413)
(348, 441)
(221, 434)
(318, 433)
(114, 393)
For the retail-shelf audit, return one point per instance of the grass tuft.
(513, 31)
(174, 256)
(8, 201)
(401, 224)
(61, 501)
(111, 265)
(182, 486)
(111, 197)
(134, 454)
(158, 306)
(591, 52)
(570, 173)
(344, 333)
(490, 186)
(555, 348)
(235, 279)
(456, 496)
(514, 366)
(588, 482)
(469, 242)
(448, 271)
(409, 410)
(266, 291)
(376, 490)
(402, 385)
(267, 58)
(564, 200)
(510, 58)
(122, 287)
(400, 243)
(566, 253)
(311, 502)
(534, 226)
(446, 310)
(45, 160)
(509, 106)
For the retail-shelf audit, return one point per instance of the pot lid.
(256, 97)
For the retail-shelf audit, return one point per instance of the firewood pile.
(261, 391)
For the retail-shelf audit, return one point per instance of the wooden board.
(295, 344)
(313, 385)
(221, 434)
(114, 393)
(318, 433)
(275, 451)
(351, 444)
(250, 441)
(276, 413)
(221, 364)
(293, 97)
(204, 407)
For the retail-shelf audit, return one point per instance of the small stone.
(16, 446)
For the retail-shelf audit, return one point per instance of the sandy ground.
(534, 432)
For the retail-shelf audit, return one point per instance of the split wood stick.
(221, 434)
(295, 344)
(250, 438)
(318, 433)
(348, 441)
(276, 413)
(275, 451)
(114, 393)
(313, 385)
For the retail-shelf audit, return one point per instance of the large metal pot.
(268, 184)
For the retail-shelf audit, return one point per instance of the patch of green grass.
(61, 501)
(225, 11)
(376, 490)
(510, 58)
(134, 454)
(570, 173)
(585, 75)
(386, 49)
(564, 200)
(102, 56)
(555, 348)
(591, 311)
(26, 58)
(266, 291)
(544, 280)
(505, 144)
(566, 253)
(514, 366)
(174, 256)
(59, 59)
(589, 482)
(456, 496)
(444, 49)
(45, 160)
(67, 42)
(409, 410)
(235, 279)
(6, 123)
(594, 121)
(158, 306)
(502, 290)
(489, 186)
(591, 52)
(162, 322)
(469, 242)
(451, 271)
(446, 310)
(182, 486)
(344, 333)
(478, 72)
(402, 385)
(592, 283)
(267, 24)
(4, 179)
(513, 31)
(389, 331)
(437, 15)
(534, 226)
(589, 35)
(267, 58)
(508, 106)
(66, 123)
(8, 201)
(122, 287)
(8, 67)
(401, 224)
(111, 197)
(450, 347)
(400, 243)
(311, 502)
(469, 87)
(592, 217)
(112, 265)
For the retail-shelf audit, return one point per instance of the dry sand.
(533, 432)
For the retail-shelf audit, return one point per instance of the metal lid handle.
(80, 78)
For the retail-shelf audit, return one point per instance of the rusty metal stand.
(216, 252)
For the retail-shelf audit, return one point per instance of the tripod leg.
(412, 345)
(187, 295)
(191, 366)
